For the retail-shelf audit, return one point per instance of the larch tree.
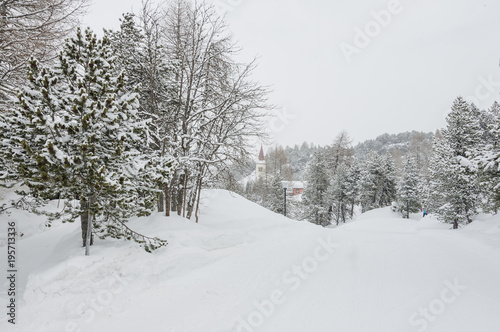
(32, 29)
(340, 152)
(339, 192)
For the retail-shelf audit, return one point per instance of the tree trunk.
(160, 203)
(180, 194)
(173, 197)
(198, 200)
(469, 219)
(85, 217)
(193, 198)
(184, 198)
(455, 224)
(167, 200)
(191, 202)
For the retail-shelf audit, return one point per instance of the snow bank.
(244, 268)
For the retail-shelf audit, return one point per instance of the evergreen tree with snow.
(352, 183)
(487, 159)
(388, 188)
(377, 182)
(139, 51)
(455, 192)
(75, 133)
(276, 198)
(370, 182)
(409, 189)
(316, 202)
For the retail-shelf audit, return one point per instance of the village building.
(294, 188)
(260, 166)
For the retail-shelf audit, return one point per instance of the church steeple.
(260, 169)
(261, 154)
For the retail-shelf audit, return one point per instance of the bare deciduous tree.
(32, 28)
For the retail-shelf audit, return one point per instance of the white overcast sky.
(405, 79)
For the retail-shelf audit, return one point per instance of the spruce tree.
(388, 188)
(352, 186)
(371, 181)
(487, 158)
(454, 183)
(276, 198)
(408, 189)
(315, 198)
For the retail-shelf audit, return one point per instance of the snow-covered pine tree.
(455, 192)
(388, 189)
(261, 192)
(127, 45)
(276, 193)
(352, 185)
(487, 158)
(463, 131)
(139, 51)
(449, 185)
(441, 157)
(76, 133)
(378, 182)
(409, 189)
(315, 199)
(371, 182)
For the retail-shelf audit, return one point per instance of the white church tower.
(260, 167)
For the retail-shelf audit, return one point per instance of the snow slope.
(243, 268)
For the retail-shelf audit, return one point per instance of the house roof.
(294, 184)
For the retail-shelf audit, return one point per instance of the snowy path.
(246, 269)
(379, 281)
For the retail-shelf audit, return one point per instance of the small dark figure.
(425, 212)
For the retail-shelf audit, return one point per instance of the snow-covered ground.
(243, 268)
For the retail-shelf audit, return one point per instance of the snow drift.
(244, 268)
